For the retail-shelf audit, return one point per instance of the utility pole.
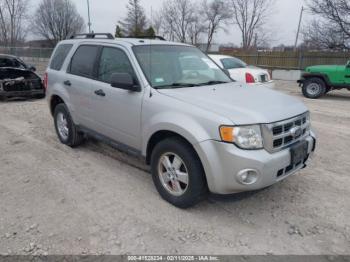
(300, 20)
(89, 20)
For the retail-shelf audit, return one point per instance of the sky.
(283, 23)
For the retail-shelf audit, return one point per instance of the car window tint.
(232, 63)
(83, 61)
(59, 56)
(112, 61)
(5, 62)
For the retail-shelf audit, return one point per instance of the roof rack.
(156, 37)
(92, 36)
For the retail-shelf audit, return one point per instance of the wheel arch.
(54, 101)
(161, 135)
(323, 77)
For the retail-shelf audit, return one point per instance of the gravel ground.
(95, 200)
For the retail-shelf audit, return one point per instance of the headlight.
(245, 137)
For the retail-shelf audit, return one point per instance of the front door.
(116, 112)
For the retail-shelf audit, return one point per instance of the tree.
(55, 20)
(12, 17)
(331, 29)
(135, 21)
(157, 23)
(319, 35)
(215, 14)
(178, 16)
(251, 16)
(118, 31)
(150, 32)
(195, 29)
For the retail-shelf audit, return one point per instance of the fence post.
(301, 58)
(257, 58)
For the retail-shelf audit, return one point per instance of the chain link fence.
(39, 57)
(28, 53)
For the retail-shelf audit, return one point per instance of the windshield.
(171, 66)
(232, 63)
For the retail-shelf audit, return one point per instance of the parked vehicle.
(317, 81)
(198, 130)
(241, 72)
(18, 79)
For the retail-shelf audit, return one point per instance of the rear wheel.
(314, 88)
(66, 130)
(178, 173)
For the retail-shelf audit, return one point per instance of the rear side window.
(83, 61)
(59, 56)
(233, 63)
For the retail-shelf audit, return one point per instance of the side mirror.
(124, 81)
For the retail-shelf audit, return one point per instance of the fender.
(56, 90)
(182, 124)
(324, 77)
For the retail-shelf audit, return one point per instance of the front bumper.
(222, 162)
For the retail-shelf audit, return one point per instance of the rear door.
(80, 74)
(117, 113)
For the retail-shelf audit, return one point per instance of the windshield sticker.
(210, 63)
(159, 80)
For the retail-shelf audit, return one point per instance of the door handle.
(100, 92)
(67, 83)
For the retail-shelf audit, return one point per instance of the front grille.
(283, 134)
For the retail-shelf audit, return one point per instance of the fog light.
(247, 177)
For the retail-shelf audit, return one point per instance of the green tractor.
(317, 81)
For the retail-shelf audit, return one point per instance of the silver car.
(171, 104)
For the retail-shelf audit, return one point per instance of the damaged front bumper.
(21, 87)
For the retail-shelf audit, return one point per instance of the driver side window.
(112, 61)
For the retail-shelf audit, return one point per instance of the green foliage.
(118, 32)
(135, 22)
(150, 32)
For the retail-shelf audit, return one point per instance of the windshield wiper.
(212, 83)
(176, 85)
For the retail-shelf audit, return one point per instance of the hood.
(241, 104)
(324, 68)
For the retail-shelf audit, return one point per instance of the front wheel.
(314, 88)
(177, 173)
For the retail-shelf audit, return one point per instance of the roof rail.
(92, 36)
(156, 37)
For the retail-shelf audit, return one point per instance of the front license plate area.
(299, 152)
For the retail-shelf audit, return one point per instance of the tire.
(314, 88)
(67, 131)
(176, 192)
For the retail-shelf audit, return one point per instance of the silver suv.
(171, 104)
